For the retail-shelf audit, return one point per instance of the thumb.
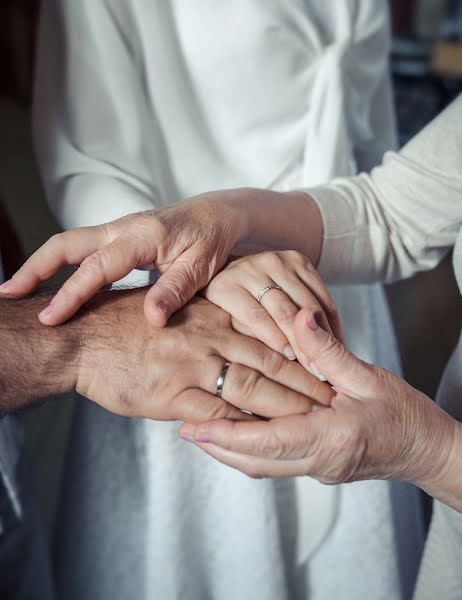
(346, 372)
(186, 275)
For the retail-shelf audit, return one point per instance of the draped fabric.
(138, 105)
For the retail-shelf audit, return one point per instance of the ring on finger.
(266, 289)
(221, 379)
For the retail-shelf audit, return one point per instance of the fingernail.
(314, 370)
(289, 353)
(187, 437)
(202, 438)
(162, 306)
(5, 286)
(312, 323)
(48, 310)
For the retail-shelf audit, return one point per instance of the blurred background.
(426, 64)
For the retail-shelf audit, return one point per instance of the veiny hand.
(236, 289)
(188, 242)
(135, 369)
(378, 426)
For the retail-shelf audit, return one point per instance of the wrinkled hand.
(135, 369)
(236, 289)
(378, 426)
(187, 242)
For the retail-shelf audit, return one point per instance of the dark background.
(426, 64)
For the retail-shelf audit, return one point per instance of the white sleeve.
(90, 116)
(404, 216)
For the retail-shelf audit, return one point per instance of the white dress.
(402, 219)
(139, 104)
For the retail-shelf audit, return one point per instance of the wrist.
(445, 483)
(103, 337)
(270, 220)
(438, 468)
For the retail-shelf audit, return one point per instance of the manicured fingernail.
(4, 287)
(312, 323)
(289, 353)
(314, 369)
(46, 312)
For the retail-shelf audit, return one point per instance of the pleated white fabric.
(140, 104)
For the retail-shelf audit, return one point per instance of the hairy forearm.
(35, 361)
(276, 220)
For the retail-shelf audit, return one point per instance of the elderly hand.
(285, 281)
(135, 369)
(187, 242)
(378, 426)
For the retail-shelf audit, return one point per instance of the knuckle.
(274, 260)
(56, 239)
(296, 258)
(248, 381)
(285, 313)
(257, 314)
(272, 447)
(273, 362)
(95, 264)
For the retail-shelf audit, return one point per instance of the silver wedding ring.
(266, 289)
(221, 379)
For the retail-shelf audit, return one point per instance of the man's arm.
(111, 355)
(35, 362)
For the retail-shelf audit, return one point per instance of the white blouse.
(401, 219)
(139, 104)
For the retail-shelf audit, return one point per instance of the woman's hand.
(378, 427)
(236, 289)
(187, 242)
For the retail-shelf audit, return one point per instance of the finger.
(297, 296)
(255, 467)
(284, 305)
(101, 268)
(255, 355)
(288, 437)
(243, 306)
(187, 274)
(68, 248)
(195, 406)
(345, 371)
(250, 390)
(311, 278)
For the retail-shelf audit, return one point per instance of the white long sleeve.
(404, 216)
(89, 128)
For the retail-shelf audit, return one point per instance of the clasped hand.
(369, 425)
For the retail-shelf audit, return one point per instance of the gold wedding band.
(266, 289)
(221, 379)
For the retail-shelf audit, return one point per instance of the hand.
(187, 242)
(377, 427)
(236, 289)
(134, 369)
